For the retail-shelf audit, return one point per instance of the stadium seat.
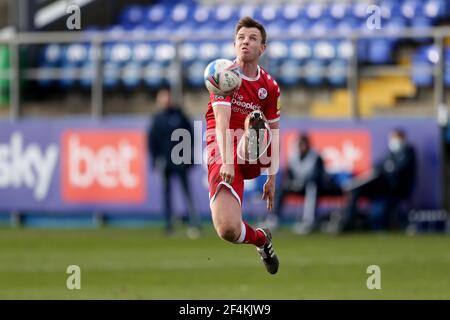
(340, 10)
(111, 75)
(69, 76)
(194, 73)
(132, 16)
(51, 55)
(300, 50)
(76, 54)
(324, 50)
(154, 75)
(208, 51)
(292, 12)
(164, 52)
(290, 72)
(87, 75)
(142, 52)
(337, 73)
(189, 52)
(422, 72)
(121, 53)
(156, 14)
(380, 51)
(314, 72)
(131, 75)
(228, 51)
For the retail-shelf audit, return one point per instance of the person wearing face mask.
(390, 182)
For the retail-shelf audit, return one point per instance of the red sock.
(252, 236)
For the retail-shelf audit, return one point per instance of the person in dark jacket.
(305, 175)
(169, 118)
(390, 182)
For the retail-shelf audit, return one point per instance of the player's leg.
(227, 220)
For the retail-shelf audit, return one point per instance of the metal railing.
(97, 39)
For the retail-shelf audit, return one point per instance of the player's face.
(248, 44)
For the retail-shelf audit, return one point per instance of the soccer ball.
(222, 77)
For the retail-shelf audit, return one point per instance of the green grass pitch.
(142, 264)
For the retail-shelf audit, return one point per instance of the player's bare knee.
(228, 233)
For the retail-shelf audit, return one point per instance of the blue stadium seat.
(208, 51)
(164, 52)
(322, 26)
(156, 14)
(87, 75)
(69, 76)
(314, 72)
(324, 50)
(194, 74)
(268, 13)
(292, 12)
(299, 27)
(189, 52)
(316, 11)
(348, 25)
(277, 51)
(300, 50)
(45, 79)
(340, 11)
(337, 73)
(436, 9)
(142, 52)
(181, 13)
(290, 72)
(76, 54)
(51, 55)
(132, 15)
(277, 27)
(344, 50)
(227, 50)
(247, 9)
(411, 9)
(121, 53)
(422, 71)
(111, 75)
(224, 13)
(380, 51)
(131, 75)
(154, 75)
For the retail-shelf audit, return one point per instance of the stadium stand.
(293, 62)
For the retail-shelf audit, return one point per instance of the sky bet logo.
(28, 166)
(100, 166)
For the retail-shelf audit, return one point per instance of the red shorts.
(242, 171)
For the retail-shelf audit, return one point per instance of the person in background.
(305, 175)
(390, 182)
(169, 118)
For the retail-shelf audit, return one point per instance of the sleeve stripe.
(221, 103)
(273, 120)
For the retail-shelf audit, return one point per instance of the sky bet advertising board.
(81, 165)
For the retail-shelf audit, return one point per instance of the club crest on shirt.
(262, 93)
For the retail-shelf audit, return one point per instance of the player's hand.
(269, 193)
(227, 173)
